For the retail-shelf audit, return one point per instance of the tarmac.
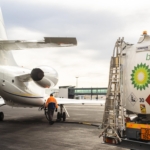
(28, 129)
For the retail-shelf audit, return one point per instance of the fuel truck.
(126, 118)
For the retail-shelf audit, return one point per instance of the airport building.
(82, 93)
(78, 93)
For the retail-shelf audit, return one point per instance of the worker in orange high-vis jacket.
(52, 105)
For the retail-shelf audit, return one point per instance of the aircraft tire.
(1, 116)
(58, 116)
(64, 116)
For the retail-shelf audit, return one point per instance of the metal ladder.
(113, 118)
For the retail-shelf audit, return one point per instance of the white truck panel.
(136, 77)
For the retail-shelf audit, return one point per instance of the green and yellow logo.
(140, 76)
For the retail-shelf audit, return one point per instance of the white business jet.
(21, 87)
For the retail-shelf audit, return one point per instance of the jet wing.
(76, 101)
(47, 42)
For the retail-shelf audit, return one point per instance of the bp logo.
(140, 76)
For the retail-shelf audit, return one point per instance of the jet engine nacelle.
(44, 76)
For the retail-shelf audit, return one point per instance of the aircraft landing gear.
(64, 116)
(1, 116)
(61, 114)
(58, 116)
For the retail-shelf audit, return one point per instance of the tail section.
(3, 35)
(6, 57)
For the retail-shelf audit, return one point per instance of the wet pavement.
(28, 129)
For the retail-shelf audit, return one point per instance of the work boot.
(51, 122)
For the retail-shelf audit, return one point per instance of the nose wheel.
(1, 116)
(61, 114)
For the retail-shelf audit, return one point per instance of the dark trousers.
(50, 114)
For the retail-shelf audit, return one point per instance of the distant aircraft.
(21, 87)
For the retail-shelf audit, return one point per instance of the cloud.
(23, 34)
(97, 25)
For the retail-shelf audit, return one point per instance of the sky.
(96, 24)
